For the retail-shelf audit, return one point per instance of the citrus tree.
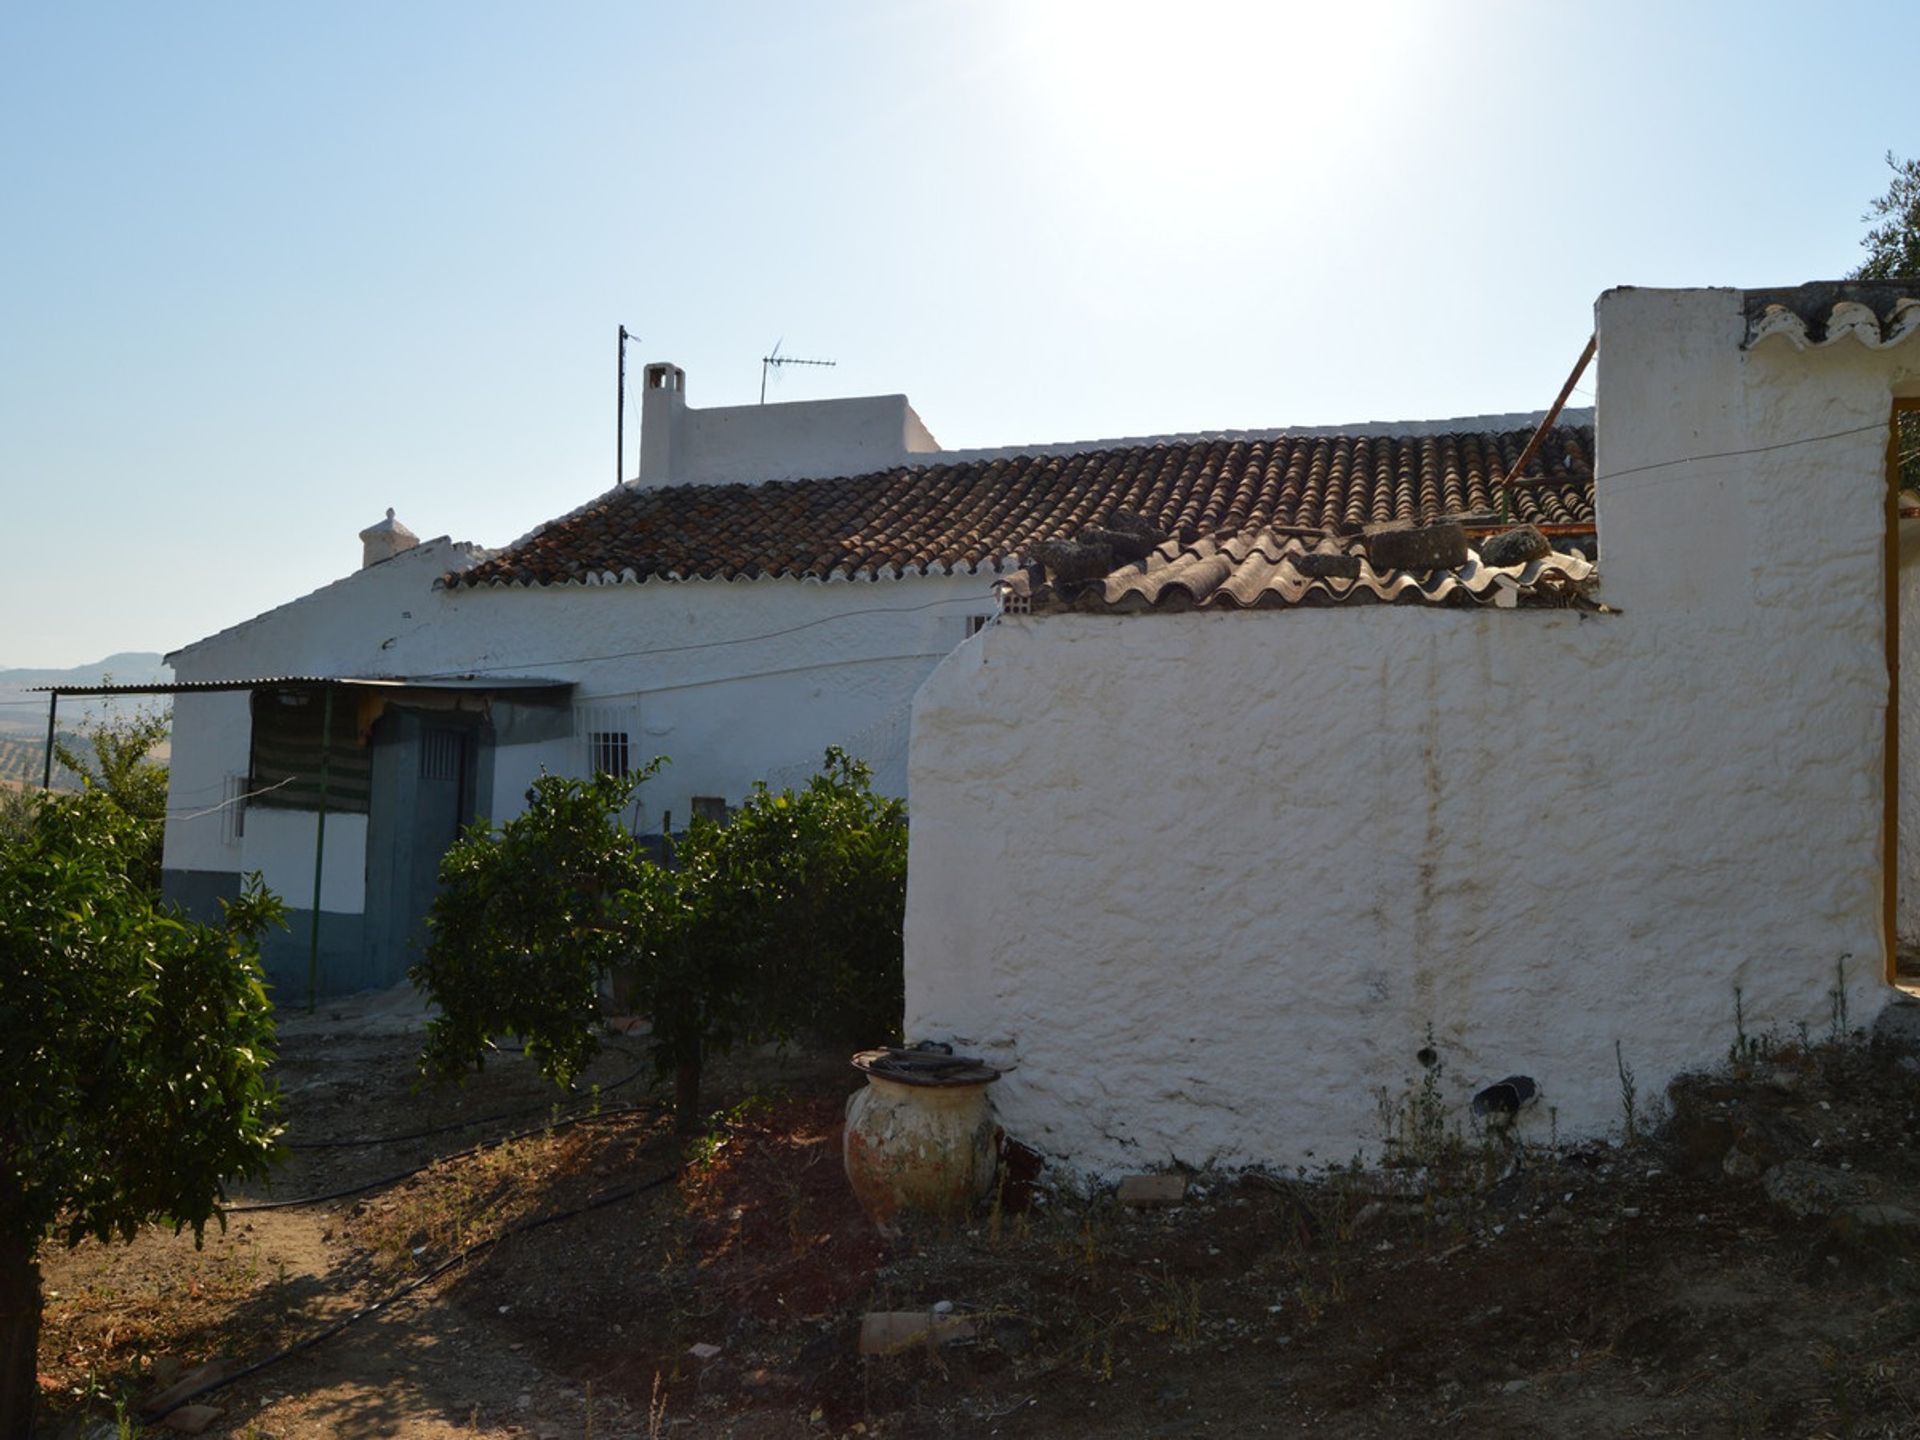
(118, 762)
(787, 916)
(133, 1054)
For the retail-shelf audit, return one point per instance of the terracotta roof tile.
(1264, 571)
(969, 515)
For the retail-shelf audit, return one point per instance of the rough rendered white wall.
(1206, 881)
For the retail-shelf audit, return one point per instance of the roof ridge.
(1570, 418)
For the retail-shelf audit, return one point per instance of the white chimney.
(662, 402)
(384, 540)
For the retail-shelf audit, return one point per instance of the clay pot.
(920, 1139)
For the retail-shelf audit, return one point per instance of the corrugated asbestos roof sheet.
(984, 514)
(1266, 571)
(364, 682)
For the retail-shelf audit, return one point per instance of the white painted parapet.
(793, 440)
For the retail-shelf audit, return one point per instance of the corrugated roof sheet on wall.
(1264, 571)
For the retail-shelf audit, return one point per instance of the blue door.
(424, 780)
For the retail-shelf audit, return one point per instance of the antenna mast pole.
(620, 415)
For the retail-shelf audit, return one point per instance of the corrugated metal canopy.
(357, 682)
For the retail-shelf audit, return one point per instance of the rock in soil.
(192, 1419)
(1807, 1191)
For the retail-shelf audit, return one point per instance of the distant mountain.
(130, 667)
(21, 709)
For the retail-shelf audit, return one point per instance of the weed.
(720, 1127)
(1629, 1107)
(1175, 1310)
(657, 1410)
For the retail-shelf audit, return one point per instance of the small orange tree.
(785, 917)
(133, 1055)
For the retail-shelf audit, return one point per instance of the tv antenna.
(774, 360)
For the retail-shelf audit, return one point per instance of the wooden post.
(1553, 413)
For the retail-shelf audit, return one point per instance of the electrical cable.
(461, 1257)
(697, 645)
(255, 1207)
(468, 1124)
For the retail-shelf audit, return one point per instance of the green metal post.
(46, 772)
(319, 852)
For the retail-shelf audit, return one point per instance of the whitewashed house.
(1222, 856)
(779, 579)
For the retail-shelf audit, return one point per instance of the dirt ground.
(1748, 1271)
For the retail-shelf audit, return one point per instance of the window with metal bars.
(609, 752)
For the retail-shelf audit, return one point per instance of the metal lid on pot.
(928, 1063)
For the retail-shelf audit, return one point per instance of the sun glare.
(1209, 91)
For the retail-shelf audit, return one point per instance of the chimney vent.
(384, 540)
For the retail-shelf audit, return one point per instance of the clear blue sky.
(266, 270)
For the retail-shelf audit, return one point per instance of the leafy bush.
(786, 917)
(133, 1054)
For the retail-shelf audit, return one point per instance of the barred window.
(608, 752)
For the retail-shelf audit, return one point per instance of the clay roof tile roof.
(970, 514)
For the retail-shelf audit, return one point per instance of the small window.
(710, 807)
(608, 753)
(235, 796)
(976, 623)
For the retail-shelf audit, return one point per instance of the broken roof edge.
(1267, 570)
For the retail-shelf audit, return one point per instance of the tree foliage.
(1893, 251)
(528, 920)
(785, 917)
(1893, 241)
(133, 1052)
(121, 767)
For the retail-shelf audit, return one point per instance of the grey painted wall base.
(199, 892)
(345, 965)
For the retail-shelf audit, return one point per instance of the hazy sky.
(266, 270)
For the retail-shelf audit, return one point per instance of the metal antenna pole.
(620, 416)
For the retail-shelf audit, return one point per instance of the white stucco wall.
(734, 681)
(1205, 881)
